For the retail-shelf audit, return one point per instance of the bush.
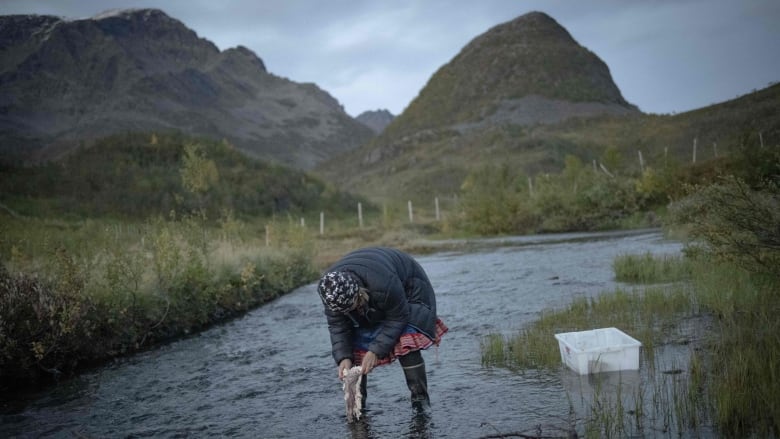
(735, 222)
(496, 201)
(42, 330)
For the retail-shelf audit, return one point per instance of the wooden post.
(411, 214)
(267, 237)
(322, 223)
(303, 222)
(604, 168)
(641, 161)
(436, 202)
(695, 139)
(761, 139)
(360, 215)
(715, 149)
(530, 187)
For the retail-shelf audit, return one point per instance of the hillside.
(527, 71)
(137, 176)
(67, 82)
(525, 95)
(523, 73)
(716, 130)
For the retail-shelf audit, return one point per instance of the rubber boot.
(416, 379)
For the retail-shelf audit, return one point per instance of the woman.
(380, 306)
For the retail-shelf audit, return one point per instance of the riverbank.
(708, 356)
(79, 294)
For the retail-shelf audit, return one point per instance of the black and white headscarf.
(338, 291)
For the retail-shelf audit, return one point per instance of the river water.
(270, 374)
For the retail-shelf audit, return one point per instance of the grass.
(81, 292)
(728, 383)
(648, 268)
(640, 313)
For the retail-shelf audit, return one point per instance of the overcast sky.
(665, 55)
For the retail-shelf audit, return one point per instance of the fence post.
(322, 223)
(761, 139)
(267, 237)
(411, 214)
(604, 168)
(531, 184)
(436, 200)
(303, 222)
(360, 215)
(715, 149)
(641, 161)
(695, 139)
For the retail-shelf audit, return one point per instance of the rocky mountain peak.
(377, 120)
(532, 27)
(525, 71)
(133, 14)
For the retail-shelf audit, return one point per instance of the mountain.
(525, 72)
(67, 82)
(377, 120)
(525, 95)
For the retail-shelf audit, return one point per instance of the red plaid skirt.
(411, 340)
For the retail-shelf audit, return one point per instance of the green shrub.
(497, 201)
(735, 222)
(42, 330)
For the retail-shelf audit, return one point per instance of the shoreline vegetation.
(80, 294)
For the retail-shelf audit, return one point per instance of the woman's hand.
(369, 361)
(344, 366)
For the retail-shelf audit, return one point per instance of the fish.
(352, 397)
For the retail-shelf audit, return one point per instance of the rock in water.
(352, 395)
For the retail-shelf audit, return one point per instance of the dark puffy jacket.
(399, 294)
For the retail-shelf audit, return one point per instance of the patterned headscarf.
(338, 291)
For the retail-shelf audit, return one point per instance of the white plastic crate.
(599, 350)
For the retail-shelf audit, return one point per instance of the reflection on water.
(270, 374)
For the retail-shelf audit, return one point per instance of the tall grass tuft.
(648, 268)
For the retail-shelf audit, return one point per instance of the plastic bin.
(599, 350)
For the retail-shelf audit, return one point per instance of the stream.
(270, 374)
